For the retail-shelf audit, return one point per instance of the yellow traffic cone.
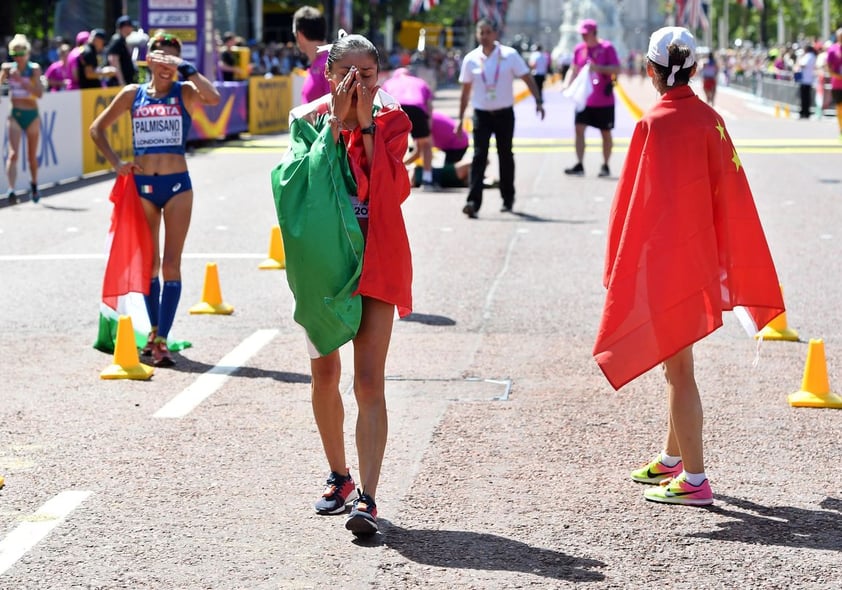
(211, 302)
(126, 364)
(277, 257)
(777, 328)
(777, 110)
(786, 111)
(815, 388)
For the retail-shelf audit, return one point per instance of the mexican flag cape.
(685, 242)
(127, 270)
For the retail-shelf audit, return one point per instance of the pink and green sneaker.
(655, 471)
(680, 491)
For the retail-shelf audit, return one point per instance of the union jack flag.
(494, 10)
(418, 6)
(692, 14)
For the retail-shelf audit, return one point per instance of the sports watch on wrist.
(368, 130)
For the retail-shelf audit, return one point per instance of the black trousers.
(500, 124)
(806, 91)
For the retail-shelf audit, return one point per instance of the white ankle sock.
(427, 176)
(669, 460)
(695, 479)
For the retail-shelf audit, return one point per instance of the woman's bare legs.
(328, 409)
(370, 347)
(684, 435)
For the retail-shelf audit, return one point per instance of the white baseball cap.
(660, 42)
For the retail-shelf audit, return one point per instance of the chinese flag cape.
(329, 263)
(684, 242)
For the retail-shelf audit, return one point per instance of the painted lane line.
(209, 382)
(28, 534)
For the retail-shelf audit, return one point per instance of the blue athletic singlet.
(160, 125)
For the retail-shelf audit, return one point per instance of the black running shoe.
(577, 170)
(339, 491)
(363, 518)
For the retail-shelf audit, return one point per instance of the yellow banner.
(94, 101)
(270, 100)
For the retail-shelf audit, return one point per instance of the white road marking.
(61, 257)
(209, 382)
(27, 534)
(492, 291)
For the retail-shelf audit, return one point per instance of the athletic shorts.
(599, 117)
(24, 117)
(419, 119)
(160, 188)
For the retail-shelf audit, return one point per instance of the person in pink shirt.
(416, 100)
(310, 30)
(834, 70)
(59, 73)
(601, 57)
(73, 60)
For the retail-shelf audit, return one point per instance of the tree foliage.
(802, 20)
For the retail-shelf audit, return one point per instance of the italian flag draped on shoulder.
(127, 269)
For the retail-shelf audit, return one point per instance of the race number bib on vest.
(157, 125)
(360, 208)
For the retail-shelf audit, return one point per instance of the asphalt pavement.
(508, 456)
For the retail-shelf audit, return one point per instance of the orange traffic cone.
(277, 257)
(777, 329)
(211, 302)
(127, 364)
(815, 388)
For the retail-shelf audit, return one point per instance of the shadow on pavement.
(781, 525)
(429, 319)
(185, 365)
(484, 551)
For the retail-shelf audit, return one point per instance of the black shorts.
(454, 156)
(419, 119)
(836, 95)
(599, 117)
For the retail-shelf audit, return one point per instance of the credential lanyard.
(496, 70)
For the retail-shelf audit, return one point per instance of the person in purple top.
(310, 30)
(601, 57)
(416, 99)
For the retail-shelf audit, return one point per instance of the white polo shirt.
(492, 77)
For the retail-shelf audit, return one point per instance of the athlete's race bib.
(157, 125)
(360, 208)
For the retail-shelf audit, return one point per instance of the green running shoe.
(655, 471)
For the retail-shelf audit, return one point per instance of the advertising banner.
(229, 117)
(185, 19)
(270, 100)
(59, 156)
(94, 101)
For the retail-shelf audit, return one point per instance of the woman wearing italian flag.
(161, 115)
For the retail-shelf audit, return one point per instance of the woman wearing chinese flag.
(684, 244)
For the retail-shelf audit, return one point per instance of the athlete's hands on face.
(351, 86)
(343, 94)
(365, 101)
(161, 59)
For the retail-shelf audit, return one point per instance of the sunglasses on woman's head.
(17, 53)
(166, 40)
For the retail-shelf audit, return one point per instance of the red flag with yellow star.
(684, 242)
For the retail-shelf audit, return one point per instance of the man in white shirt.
(491, 70)
(807, 70)
(539, 63)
